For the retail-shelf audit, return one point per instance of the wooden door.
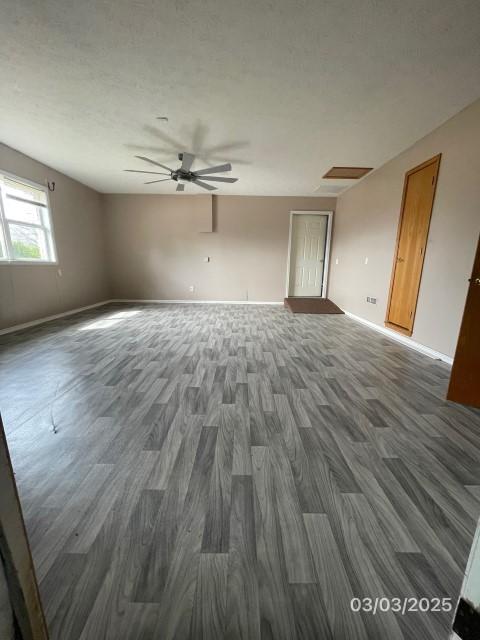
(465, 378)
(15, 555)
(417, 203)
(307, 254)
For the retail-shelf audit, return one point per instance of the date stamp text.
(401, 605)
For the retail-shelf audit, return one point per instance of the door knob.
(400, 259)
(474, 281)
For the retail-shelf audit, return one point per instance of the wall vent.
(330, 189)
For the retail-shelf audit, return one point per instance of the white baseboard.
(408, 342)
(196, 301)
(26, 325)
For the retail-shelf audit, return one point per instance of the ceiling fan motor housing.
(183, 175)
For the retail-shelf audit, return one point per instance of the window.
(26, 233)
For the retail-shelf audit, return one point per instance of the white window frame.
(9, 259)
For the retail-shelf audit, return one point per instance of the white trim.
(326, 262)
(326, 267)
(26, 325)
(49, 232)
(195, 301)
(23, 263)
(27, 181)
(431, 353)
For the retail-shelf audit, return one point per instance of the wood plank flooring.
(236, 472)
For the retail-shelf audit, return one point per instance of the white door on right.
(307, 255)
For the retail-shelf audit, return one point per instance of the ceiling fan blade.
(218, 178)
(180, 187)
(153, 162)
(154, 181)
(157, 173)
(187, 161)
(221, 168)
(204, 185)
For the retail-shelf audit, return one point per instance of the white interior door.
(307, 254)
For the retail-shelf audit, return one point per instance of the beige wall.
(28, 292)
(156, 252)
(366, 225)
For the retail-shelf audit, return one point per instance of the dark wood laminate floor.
(236, 472)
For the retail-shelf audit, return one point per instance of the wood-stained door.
(465, 378)
(16, 558)
(417, 203)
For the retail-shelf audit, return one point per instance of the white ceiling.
(283, 89)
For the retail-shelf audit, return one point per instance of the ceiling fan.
(183, 175)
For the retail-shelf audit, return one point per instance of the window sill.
(30, 263)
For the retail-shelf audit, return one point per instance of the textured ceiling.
(283, 89)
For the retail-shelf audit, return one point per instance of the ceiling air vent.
(330, 189)
(347, 173)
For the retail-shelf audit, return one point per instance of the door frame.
(460, 387)
(408, 331)
(326, 262)
(16, 556)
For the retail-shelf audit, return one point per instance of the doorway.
(417, 204)
(308, 254)
(464, 384)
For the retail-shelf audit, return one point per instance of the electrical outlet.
(371, 300)
(191, 288)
